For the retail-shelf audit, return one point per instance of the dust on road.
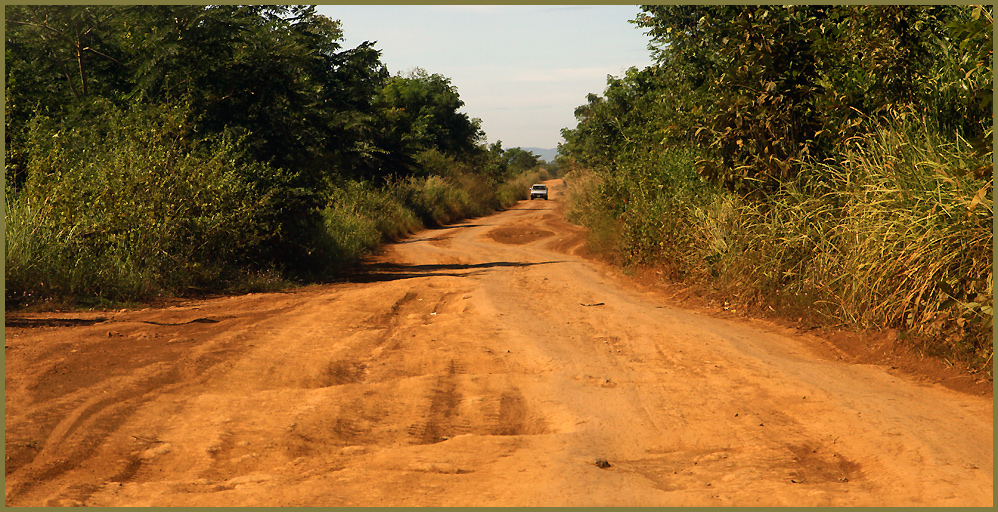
(486, 364)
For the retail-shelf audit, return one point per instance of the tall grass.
(908, 198)
(896, 233)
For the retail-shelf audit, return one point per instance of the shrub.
(125, 208)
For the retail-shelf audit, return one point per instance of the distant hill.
(546, 154)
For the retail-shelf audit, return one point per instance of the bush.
(124, 209)
(391, 218)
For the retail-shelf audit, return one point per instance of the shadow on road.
(51, 322)
(380, 272)
(437, 238)
(453, 226)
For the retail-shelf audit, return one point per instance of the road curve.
(480, 364)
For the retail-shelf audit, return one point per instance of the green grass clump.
(391, 218)
(897, 234)
(915, 238)
(435, 200)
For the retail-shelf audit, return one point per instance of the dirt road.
(481, 364)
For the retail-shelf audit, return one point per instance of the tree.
(73, 42)
(777, 85)
(755, 71)
(417, 112)
(519, 160)
(277, 74)
(628, 121)
(56, 57)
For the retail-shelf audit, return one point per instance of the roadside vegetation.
(832, 164)
(156, 151)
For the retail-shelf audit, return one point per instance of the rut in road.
(478, 364)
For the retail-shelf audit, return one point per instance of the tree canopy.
(267, 94)
(277, 75)
(761, 88)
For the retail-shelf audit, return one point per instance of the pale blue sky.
(521, 69)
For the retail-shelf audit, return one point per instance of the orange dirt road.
(479, 364)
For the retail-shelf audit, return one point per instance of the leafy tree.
(277, 72)
(777, 84)
(417, 112)
(74, 46)
(628, 121)
(519, 160)
(56, 57)
(759, 65)
(489, 160)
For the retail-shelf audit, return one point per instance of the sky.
(521, 69)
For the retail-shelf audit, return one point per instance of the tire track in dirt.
(338, 373)
(81, 423)
(85, 396)
(440, 421)
(514, 418)
(74, 438)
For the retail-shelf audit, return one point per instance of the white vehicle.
(539, 191)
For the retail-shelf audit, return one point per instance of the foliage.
(775, 85)
(825, 162)
(124, 209)
(163, 149)
(519, 160)
(419, 112)
(276, 73)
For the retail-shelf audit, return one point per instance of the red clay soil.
(482, 364)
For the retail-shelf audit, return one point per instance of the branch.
(46, 27)
(89, 49)
(83, 74)
(99, 23)
(69, 78)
